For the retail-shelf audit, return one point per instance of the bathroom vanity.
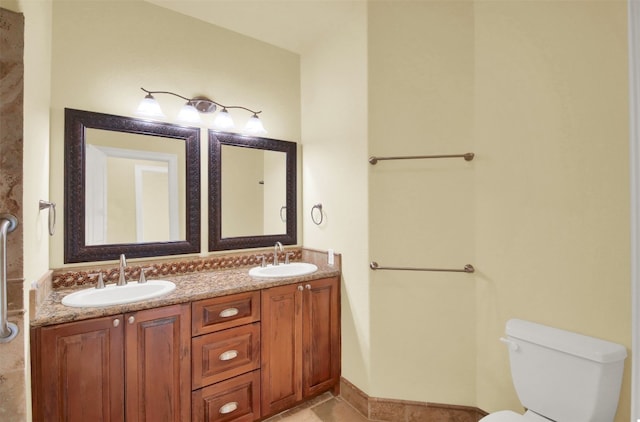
(222, 347)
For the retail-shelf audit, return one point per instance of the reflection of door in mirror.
(253, 191)
(135, 188)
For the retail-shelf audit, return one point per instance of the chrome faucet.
(277, 247)
(123, 263)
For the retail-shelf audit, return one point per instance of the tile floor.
(324, 408)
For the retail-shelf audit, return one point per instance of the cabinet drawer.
(225, 312)
(225, 354)
(237, 400)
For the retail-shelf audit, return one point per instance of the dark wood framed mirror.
(252, 192)
(131, 187)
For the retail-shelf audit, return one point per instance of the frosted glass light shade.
(254, 126)
(189, 114)
(149, 107)
(223, 120)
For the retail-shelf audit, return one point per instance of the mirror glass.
(254, 194)
(131, 186)
(252, 191)
(135, 188)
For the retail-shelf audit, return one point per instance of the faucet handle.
(142, 279)
(286, 257)
(100, 283)
(122, 279)
(263, 262)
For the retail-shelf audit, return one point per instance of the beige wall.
(538, 90)
(103, 52)
(421, 212)
(37, 88)
(334, 115)
(551, 182)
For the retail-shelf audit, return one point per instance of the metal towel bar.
(467, 268)
(467, 157)
(8, 330)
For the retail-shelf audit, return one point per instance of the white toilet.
(561, 376)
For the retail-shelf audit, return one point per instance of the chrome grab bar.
(8, 330)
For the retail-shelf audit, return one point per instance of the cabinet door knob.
(300, 288)
(131, 319)
(308, 287)
(116, 322)
(229, 312)
(228, 408)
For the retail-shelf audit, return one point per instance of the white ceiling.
(294, 25)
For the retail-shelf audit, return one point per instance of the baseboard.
(388, 410)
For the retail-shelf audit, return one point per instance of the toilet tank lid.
(566, 341)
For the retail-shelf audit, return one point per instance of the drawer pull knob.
(228, 355)
(229, 407)
(131, 320)
(308, 286)
(229, 312)
(116, 322)
(300, 288)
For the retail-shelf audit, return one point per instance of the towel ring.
(52, 214)
(313, 217)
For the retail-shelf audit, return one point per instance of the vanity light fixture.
(190, 112)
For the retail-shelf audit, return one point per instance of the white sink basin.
(118, 295)
(283, 270)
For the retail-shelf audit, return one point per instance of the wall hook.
(51, 206)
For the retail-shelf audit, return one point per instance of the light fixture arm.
(202, 104)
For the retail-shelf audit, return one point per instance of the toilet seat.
(509, 416)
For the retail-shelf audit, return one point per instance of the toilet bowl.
(561, 376)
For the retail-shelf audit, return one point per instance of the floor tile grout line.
(357, 411)
(354, 409)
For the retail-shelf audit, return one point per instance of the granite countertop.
(190, 287)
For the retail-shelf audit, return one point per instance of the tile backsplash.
(87, 276)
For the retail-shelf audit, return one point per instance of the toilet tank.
(565, 376)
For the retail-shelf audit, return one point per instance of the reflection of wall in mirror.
(241, 191)
(275, 192)
(137, 211)
(154, 222)
(121, 195)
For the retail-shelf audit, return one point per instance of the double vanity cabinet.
(241, 357)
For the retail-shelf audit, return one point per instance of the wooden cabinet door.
(281, 348)
(321, 335)
(79, 371)
(158, 356)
